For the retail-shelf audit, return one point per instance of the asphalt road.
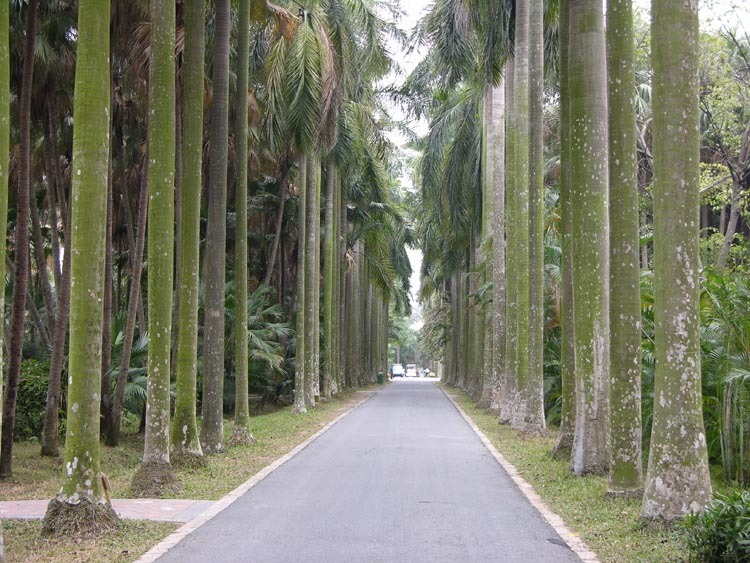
(400, 479)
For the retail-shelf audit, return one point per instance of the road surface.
(401, 479)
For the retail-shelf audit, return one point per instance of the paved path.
(164, 510)
(402, 478)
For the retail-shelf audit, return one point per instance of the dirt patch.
(154, 480)
(83, 519)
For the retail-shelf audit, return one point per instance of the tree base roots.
(240, 437)
(189, 461)
(83, 519)
(154, 480)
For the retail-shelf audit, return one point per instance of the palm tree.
(534, 392)
(678, 479)
(80, 505)
(518, 223)
(184, 439)
(20, 278)
(212, 425)
(155, 471)
(564, 445)
(626, 471)
(589, 198)
(241, 433)
(4, 152)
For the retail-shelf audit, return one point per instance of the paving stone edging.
(178, 535)
(574, 542)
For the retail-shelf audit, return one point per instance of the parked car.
(411, 370)
(397, 370)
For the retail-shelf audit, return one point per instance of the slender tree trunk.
(678, 479)
(20, 279)
(82, 488)
(507, 381)
(241, 433)
(113, 435)
(132, 243)
(497, 163)
(52, 190)
(106, 391)
(520, 212)
(4, 165)
(564, 446)
(277, 236)
(316, 284)
(329, 281)
(161, 149)
(590, 198)
(311, 238)
(535, 422)
(212, 425)
(184, 437)
(41, 266)
(734, 216)
(626, 470)
(300, 375)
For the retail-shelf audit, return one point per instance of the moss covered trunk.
(564, 445)
(626, 471)
(241, 433)
(161, 141)
(81, 478)
(212, 424)
(678, 479)
(589, 198)
(185, 440)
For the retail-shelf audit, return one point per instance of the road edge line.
(183, 531)
(572, 540)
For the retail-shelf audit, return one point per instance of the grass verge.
(39, 478)
(610, 526)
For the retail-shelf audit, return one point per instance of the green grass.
(132, 539)
(611, 527)
(35, 477)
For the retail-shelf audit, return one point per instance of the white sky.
(714, 14)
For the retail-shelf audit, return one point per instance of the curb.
(572, 540)
(178, 535)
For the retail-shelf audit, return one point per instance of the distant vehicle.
(411, 370)
(397, 370)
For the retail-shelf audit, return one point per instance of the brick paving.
(163, 510)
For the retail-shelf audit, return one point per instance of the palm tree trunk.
(534, 399)
(300, 375)
(212, 425)
(50, 446)
(4, 166)
(20, 279)
(161, 167)
(507, 380)
(81, 497)
(564, 445)
(106, 390)
(678, 479)
(241, 433)
(589, 197)
(626, 471)
(184, 438)
(497, 175)
(311, 238)
(329, 281)
(41, 266)
(113, 426)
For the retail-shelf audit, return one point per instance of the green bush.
(32, 399)
(722, 531)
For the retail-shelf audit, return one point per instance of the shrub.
(32, 399)
(722, 531)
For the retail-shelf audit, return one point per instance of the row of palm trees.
(483, 190)
(292, 115)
